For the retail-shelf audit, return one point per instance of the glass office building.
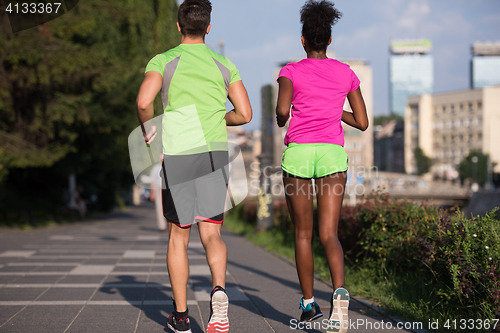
(485, 64)
(485, 71)
(411, 72)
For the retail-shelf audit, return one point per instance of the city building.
(411, 72)
(388, 147)
(485, 64)
(448, 126)
(358, 144)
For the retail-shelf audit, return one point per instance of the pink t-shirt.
(320, 87)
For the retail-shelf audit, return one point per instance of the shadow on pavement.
(326, 296)
(128, 288)
(257, 305)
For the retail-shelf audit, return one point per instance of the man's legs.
(217, 258)
(177, 264)
(215, 248)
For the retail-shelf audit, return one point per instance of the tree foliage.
(467, 169)
(382, 120)
(68, 88)
(423, 162)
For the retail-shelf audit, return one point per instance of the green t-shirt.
(194, 94)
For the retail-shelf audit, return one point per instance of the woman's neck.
(316, 55)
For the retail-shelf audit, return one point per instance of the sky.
(261, 34)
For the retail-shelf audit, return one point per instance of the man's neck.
(192, 40)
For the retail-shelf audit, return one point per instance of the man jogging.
(195, 83)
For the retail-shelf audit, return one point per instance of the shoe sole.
(219, 322)
(319, 315)
(339, 319)
(176, 331)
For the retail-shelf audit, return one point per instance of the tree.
(67, 93)
(381, 120)
(423, 162)
(466, 168)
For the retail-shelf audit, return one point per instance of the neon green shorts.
(313, 160)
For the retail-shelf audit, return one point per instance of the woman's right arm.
(284, 100)
(358, 117)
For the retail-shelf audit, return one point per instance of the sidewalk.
(109, 275)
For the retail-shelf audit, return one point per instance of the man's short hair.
(194, 17)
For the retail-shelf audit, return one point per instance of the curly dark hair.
(194, 17)
(317, 18)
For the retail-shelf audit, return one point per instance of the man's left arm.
(242, 112)
(147, 93)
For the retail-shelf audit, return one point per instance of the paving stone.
(52, 268)
(139, 254)
(16, 254)
(44, 319)
(30, 279)
(92, 270)
(130, 269)
(135, 261)
(67, 294)
(101, 261)
(148, 238)
(162, 268)
(8, 311)
(20, 294)
(8, 278)
(117, 293)
(17, 269)
(100, 318)
(82, 279)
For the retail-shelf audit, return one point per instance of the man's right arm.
(242, 112)
(147, 93)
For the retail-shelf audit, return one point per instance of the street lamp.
(475, 186)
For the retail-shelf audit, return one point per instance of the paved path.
(109, 275)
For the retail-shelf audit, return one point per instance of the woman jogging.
(315, 89)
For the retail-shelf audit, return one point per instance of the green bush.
(456, 257)
(438, 264)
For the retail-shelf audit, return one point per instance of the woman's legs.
(330, 193)
(299, 196)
